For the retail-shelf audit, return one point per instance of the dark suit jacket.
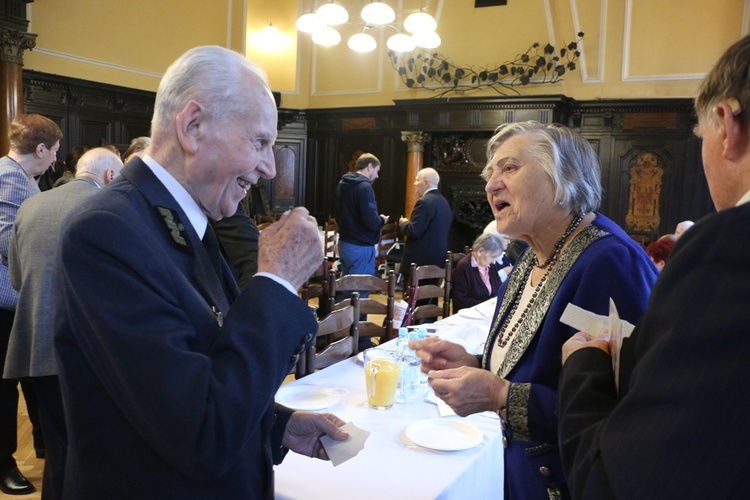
(680, 430)
(468, 288)
(427, 232)
(162, 401)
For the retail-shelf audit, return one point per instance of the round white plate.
(303, 397)
(444, 434)
(470, 313)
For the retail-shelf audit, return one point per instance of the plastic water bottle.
(422, 334)
(411, 367)
(401, 346)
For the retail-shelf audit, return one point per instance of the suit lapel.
(180, 234)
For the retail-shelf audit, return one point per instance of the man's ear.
(735, 139)
(39, 149)
(189, 123)
(109, 176)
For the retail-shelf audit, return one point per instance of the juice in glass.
(381, 377)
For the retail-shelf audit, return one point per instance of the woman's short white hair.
(564, 155)
(210, 75)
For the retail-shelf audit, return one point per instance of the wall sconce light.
(377, 13)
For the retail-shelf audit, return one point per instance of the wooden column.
(13, 41)
(415, 142)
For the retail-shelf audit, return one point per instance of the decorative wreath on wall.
(434, 71)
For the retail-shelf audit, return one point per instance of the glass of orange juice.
(381, 377)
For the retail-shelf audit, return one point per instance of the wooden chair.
(389, 251)
(330, 240)
(344, 319)
(418, 275)
(373, 284)
(454, 257)
(317, 287)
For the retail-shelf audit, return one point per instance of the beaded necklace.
(548, 265)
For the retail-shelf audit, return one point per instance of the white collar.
(195, 215)
(744, 199)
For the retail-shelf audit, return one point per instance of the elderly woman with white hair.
(543, 185)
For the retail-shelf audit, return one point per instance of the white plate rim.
(474, 435)
(470, 313)
(286, 392)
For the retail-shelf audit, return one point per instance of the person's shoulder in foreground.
(688, 376)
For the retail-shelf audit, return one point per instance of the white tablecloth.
(391, 467)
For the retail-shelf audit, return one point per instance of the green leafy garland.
(435, 72)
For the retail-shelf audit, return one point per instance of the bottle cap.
(402, 332)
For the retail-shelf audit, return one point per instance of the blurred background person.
(136, 148)
(32, 264)
(34, 141)
(543, 184)
(69, 165)
(682, 227)
(659, 250)
(503, 260)
(427, 231)
(476, 277)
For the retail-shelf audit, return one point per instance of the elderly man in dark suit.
(168, 375)
(679, 428)
(32, 260)
(427, 231)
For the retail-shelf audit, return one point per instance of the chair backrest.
(366, 282)
(317, 286)
(454, 257)
(330, 239)
(344, 319)
(417, 276)
(388, 238)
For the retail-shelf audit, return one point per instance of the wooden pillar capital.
(13, 43)
(415, 141)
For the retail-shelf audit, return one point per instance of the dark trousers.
(9, 402)
(52, 418)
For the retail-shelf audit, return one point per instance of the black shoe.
(12, 482)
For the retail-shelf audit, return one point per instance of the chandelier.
(419, 25)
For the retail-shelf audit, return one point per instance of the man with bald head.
(427, 231)
(168, 373)
(682, 227)
(32, 261)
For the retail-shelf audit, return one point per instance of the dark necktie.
(211, 243)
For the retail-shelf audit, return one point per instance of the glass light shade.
(426, 40)
(270, 30)
(310, 23)
(377, 14)
(362, 42)
(401, 43)
(332, 14)
(327, 37)
(420, 22)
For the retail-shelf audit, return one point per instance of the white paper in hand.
(595, 325)
(341, 451)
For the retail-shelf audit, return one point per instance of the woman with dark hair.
(543, 186)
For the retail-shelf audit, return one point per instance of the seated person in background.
(682, 227)
(659, 250)
(503, 260)
(136, 148)
(476, 277)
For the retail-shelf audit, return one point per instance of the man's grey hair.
(564, 155)
(729, 79)
(97, 161)
(211, 76)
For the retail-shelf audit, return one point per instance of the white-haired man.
(168, 375)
